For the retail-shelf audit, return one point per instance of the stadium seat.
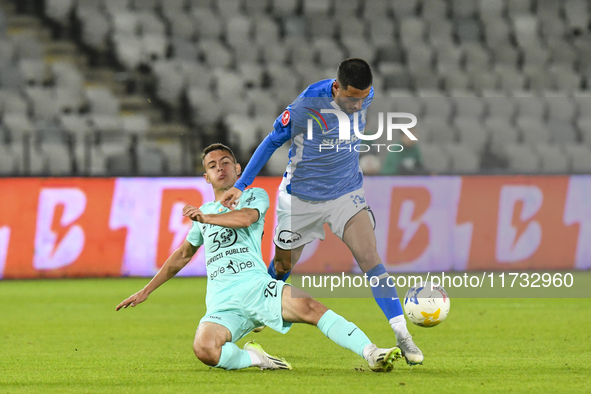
(209, 25)
(472, 133)
(381, 31)
(154, 47)
(228, 8)
(436, 10)
(7, 50)
(102, 101)
(183, 49)
(206, 109)
(265, 30)
(238, 31)
(501, 133)
(437, 131)
(576, 13)
(412, 32)
(435, 159)
(352, 29)
(128, 48)
(441, 33)
(377, 8)
(150, 159)
(115, 6)
(521, 158)
(359, 47)
(59, 10)
(28, 47)
(178, 156)
(563, 132)
(347, 9)
(580, 158)
(469, 108)
(145, 4)
(95, 28)
(256, 8)
(181, 26)
(320, 26)
(150, 23)
(125, 22)
(468, 30)
(44, 103)
(464, 159)
(552, 160)
(135, 124)
(316, 7)
(13, 102)
(216, 54)
(34, 72)
(533, 130)
(8, 162)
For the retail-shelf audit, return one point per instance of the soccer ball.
(425, 307)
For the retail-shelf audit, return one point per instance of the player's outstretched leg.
(299, 307)
(213, 347)
(358, 235)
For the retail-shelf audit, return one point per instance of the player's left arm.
(253, 206)
(239, 218)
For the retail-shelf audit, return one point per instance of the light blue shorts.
(260, 304)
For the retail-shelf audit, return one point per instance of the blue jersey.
(320, 168)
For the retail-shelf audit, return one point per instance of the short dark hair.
(354, 72)
(213, 147)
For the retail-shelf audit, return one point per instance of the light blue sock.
(385, 295)
(233, 357)
(343, 332)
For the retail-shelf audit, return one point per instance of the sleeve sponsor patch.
(285, 118)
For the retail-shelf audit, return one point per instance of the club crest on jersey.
(285, 118)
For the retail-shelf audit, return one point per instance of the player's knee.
(207, 352)
(312, 311)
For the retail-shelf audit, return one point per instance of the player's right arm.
(282, 132)
(177, 260)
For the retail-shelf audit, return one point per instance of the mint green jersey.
(232, 256)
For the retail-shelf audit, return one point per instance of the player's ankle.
(398, 325)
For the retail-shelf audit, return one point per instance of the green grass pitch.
(65, 336)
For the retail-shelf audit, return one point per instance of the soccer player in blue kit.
(240, 293)
(325, 185)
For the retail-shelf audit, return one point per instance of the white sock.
(368, 350)
(398, 324)
(255, 360)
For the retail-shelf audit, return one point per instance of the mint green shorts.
(260, 304)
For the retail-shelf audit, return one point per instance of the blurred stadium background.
(137, 87)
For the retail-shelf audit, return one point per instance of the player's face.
(220, 169)
(351, 99)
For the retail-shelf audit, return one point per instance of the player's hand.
(230, 197)
(194, 213)
(134, 300)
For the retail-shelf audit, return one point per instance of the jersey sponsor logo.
(232, 268)
(315, 116)
(235, 267)
(285, 118)
(287, 237)
(222, 239)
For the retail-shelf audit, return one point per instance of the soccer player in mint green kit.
(241, 295)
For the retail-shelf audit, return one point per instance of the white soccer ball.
(425, 307)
